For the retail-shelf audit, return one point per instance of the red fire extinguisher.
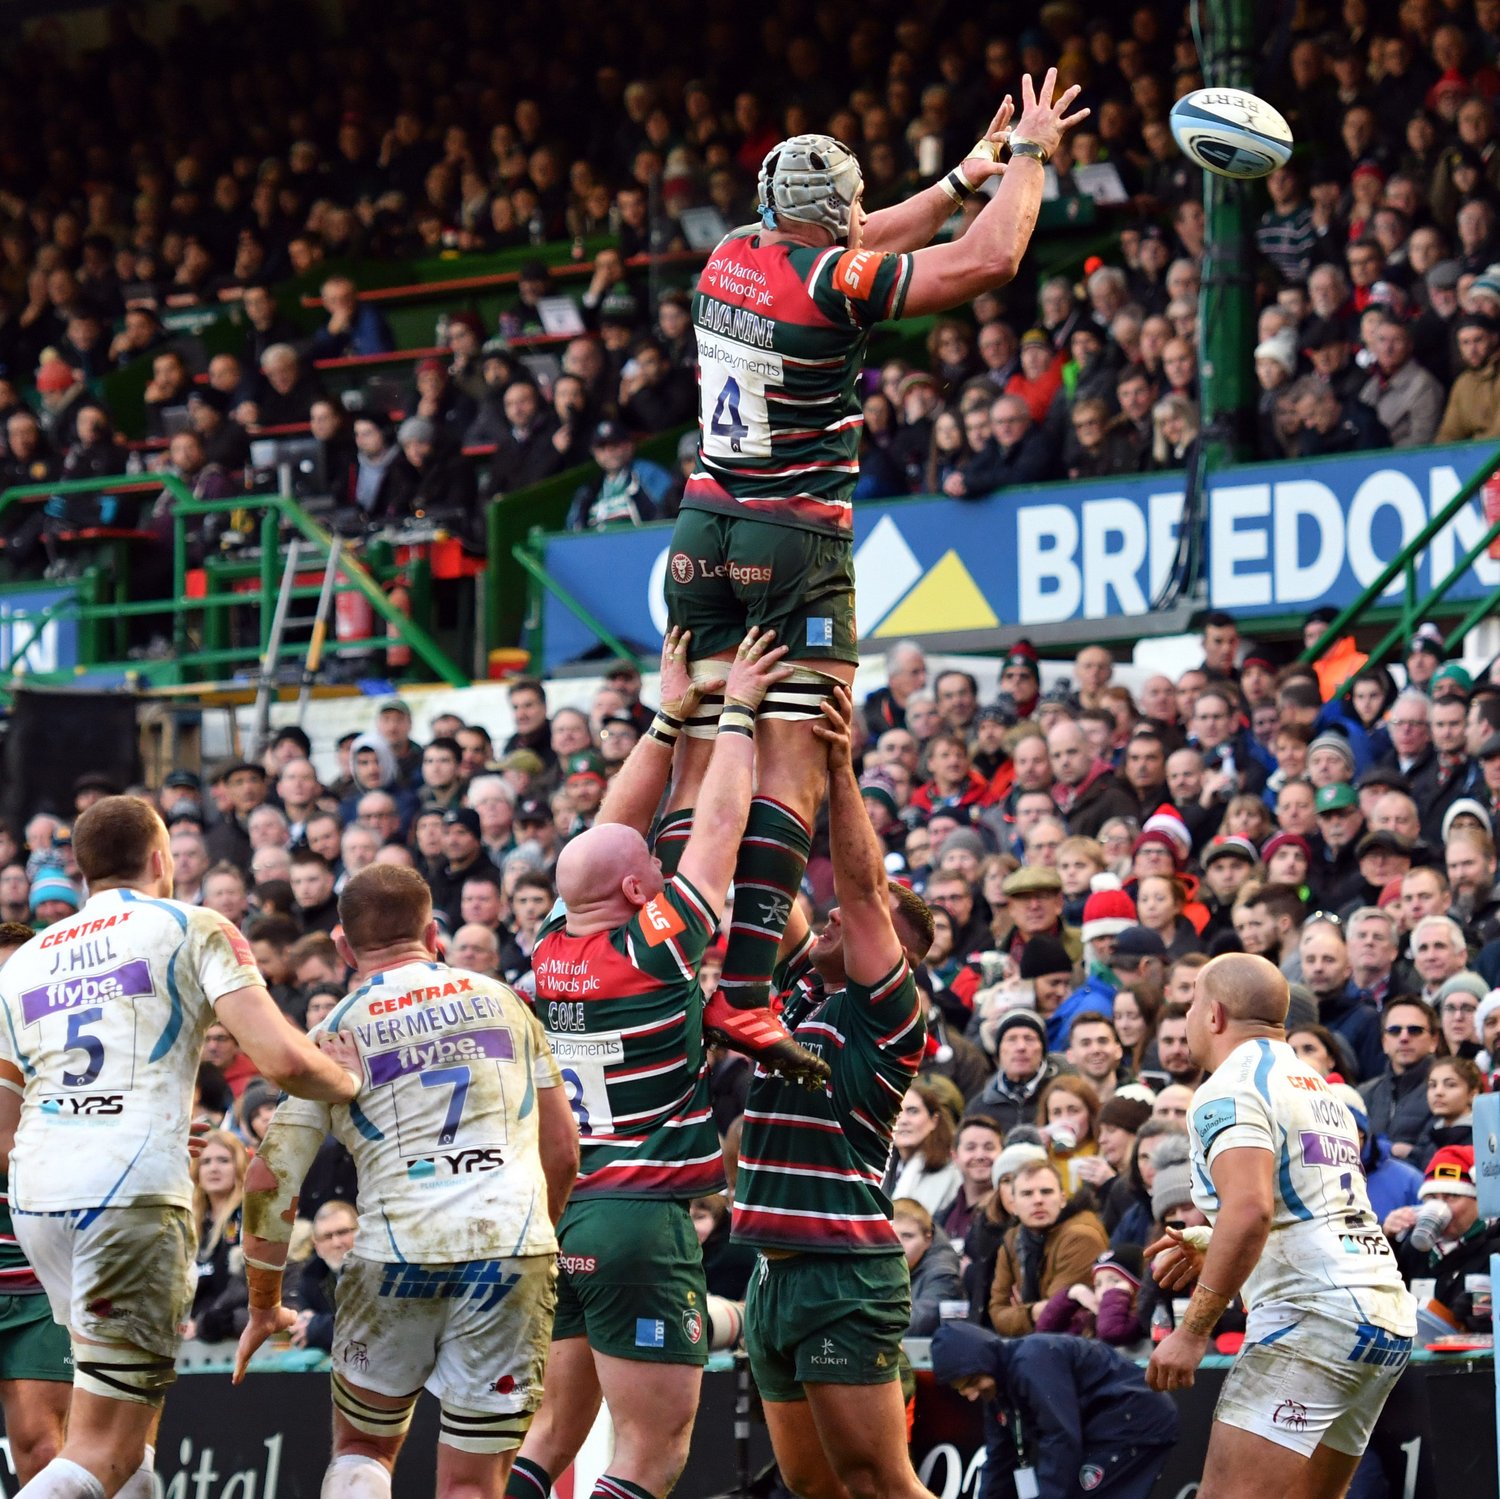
(400, 595)
(1490, 498)
(353, 614)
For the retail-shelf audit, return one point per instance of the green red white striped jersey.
(811, 1164)
(781, 333)
(623, 1015)
(17, 1278)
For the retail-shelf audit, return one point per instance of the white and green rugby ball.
(1231, 132)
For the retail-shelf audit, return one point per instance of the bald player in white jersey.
(466, 1151)
(1276, 1170)
(102, 1019)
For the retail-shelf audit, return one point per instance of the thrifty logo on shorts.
(684, 570)
(481, 1280)
(1375, 1345)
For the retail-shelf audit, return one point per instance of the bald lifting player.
(782, 315)
(616, 968)
(1276, 1169)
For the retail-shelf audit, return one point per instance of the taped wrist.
(665, 728)
(957, 186)
(264, 1282)
(737, 718)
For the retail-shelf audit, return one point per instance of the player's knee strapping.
(672, 834)
(482, 1431)
(353, 1475)
(767, 876)
(372, 1420)
(800, 696)
(119, 1372)
(704, 720)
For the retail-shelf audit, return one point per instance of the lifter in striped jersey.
(616, 969)
(36, 1355)
(831, 1294)
(782, 315)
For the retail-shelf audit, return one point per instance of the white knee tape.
(352, 1475)
(117, 1371)
(800, 696)
(704, 723)
(482, 1431)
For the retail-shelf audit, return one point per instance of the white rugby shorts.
(1304, 1379)
(475, 1334)
(115, 1275)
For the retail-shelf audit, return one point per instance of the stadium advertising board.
(1280, 539)
(25, 648)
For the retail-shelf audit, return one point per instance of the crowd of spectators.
(1378, 255)
(1084, 849)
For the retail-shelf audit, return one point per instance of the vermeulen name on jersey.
(406, 1026)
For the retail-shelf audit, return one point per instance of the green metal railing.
(1414, 608)
(280, 514)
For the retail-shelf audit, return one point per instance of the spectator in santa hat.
(1020, 680)
(1106, 913)
(1451, 1277)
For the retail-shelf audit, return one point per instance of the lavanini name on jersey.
(737, 323)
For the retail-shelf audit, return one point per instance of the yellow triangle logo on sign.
(946, 599)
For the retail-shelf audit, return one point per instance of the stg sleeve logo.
(855, 273)
(659, 921)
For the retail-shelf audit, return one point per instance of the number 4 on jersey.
(729, 405)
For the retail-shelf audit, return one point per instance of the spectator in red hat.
(1451, 1277)
(440, 401)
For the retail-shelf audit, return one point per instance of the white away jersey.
(444, 1132)
(104, 1015)
(1325, 1249)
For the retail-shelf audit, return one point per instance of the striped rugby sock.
(610, 1487)
(528, 1480)
(671, 838)
(767, 876)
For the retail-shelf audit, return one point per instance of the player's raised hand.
(1043, 119)
(757, 667)
(197, 1137)
(836, 729)
(983, 161)
(680, 694)
(264, 1322)
(1175, 1261)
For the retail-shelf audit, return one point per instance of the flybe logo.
(130, 980)
(495, 1045)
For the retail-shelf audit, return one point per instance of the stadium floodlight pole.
(1226, 306)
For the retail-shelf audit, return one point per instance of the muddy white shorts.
(1304, 1380)
(115, 1275)
(475, 1334)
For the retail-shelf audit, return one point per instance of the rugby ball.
(1231, 132)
